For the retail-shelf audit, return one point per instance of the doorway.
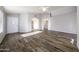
(45, 24)
(35, 24)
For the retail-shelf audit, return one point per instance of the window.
(1, 21)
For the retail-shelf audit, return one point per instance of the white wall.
(63, 20)
(1, 21)
(12, 23)
(3, 33)
(78, 26)
(64, 23)
(25, 23)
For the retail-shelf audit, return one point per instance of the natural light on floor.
(30, 34)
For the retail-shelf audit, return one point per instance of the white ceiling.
(31, 9)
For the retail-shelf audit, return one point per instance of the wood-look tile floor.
(41, 42)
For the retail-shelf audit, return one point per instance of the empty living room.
(38, 29)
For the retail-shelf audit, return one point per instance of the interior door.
(12, 24)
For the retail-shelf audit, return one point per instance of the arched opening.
(35, 24)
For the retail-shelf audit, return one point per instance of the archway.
(35, 24)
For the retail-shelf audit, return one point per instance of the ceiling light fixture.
(44, 8)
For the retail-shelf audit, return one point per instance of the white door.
(12, 24)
